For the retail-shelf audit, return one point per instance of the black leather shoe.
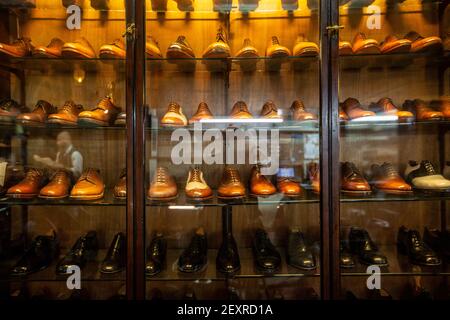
(362, 245)
(227, 260)
(156, 255)
(115, 258)
(346, 258)
(85, 249)
(194, 258)
(39, 255)
(438, 240)
(410, 243)
(267, 258)
(298, 255)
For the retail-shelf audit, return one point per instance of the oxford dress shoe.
(78, 49)
(89, 186)
(10, 109)
(362, 245)
(363, 45)
(66, 115)
(114, 50)
(267, 258)
(442, 105)
(120, 189)
(85, 249)
(247, 56)
(270, 111)
(438, 240)
(259, 184)
(240, 111)
(228, 260)
(156, 255)
(29, 186)
(38, 116)
(314, 176)
(424, 176)
(196, 186)
(180, 49)
(116, 256)
(12, 176)
(38, 256)
(58, 187)
(299, 112)
(202, 113)
(352, 181)
(386, 178)
(231, 186)
(288, 186)
(17, 49)
(385, 106)
(410, 243)
(163, 186)
(305, 48)
(423, 44)
(276, 50)
(298, 255)
(354, 110)
(345, 48)
(422, 111)
(392, 44)
(104, 114)
(174, 117)
(345, 257)
(152, 49)
(194, 257)
(52, 50)
(218, 49)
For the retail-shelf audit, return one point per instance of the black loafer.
(85, 249)
(115, 258)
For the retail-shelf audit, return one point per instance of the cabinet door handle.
(130, 32)
(334, 29)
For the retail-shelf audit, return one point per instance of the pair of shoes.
(410, 243)
(302, 48)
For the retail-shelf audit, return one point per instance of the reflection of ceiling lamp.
(79, 74)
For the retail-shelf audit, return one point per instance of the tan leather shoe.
(10, 109)
(385, 106)
(443, 105)
(163, 186)
(231, 186)
(114, 50)
(66, 115)
(275, 50)
(342, 115)
(89, 186)
(29, 186)
(314, 176)
(79, 49)
(174, 116)
(305, 48)
(288, 186)
(394, 45)
(180, 49)
(18, 49)
(387, 179)
(259, 184)
(240, 111)
(299, 113)
(345, 48)
(196, 186)
(354, 110)
(247, 50)
(362, 45)
(152, 48)
(58, 187)
(352, 181)
(423, 44)
(53, 50)
(270, 111)
(422, 111)
(219, 48)
(104, 114)
(120, 189)
(38, 116)
(121, 119)
(203, 112)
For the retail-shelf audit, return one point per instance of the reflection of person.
(67, 156)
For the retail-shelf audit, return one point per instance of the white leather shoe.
(424, 176)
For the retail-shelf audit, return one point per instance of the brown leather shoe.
(174, 117)
(423, 44)
(352, 181)
(53, 50)
(240, 111)
(203, 112)
(103, 114)
(219, 48)
(394, 45)
(38, 116)
(305, 48)
(362, 45)
(152, 48)
(196, 186)
(18, 49)
(345, 48)
(89, 186)
(247, 56)
(10, 109)
(275, 50)
(387, 179)
(299, 113)
(270, 111)
(354, 110)
(121, 119)
(231, 186)
(422, 111)
(442, 105)
(120, 189)
(180, 49)
(29, 186)
(314, 176)
(385, 106)
(114, 50)
(66, 115)
(342, 115)
(79, 49)
(288, 186)
(259, 184)
(58, 187)
(163, 186)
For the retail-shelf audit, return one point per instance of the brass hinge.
(130, 32)
(334, 29)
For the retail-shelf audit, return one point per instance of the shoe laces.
(389, 170)
(60, 176)
(196, 175)
(33, 175)
(233, 175)
(275, 40)
(203, 107)
(429, 167)
(68, 106)
(86, 176)
(416, 241)
(220, 36)
(104, 104)
(173, 107)
(161, 175)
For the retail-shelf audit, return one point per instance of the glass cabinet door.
(62, 150)
(394, 102)
(232, 150)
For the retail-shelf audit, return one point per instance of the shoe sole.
(231, 198)
(196, 271)
(111, 272)
(162, 199)
(261, 195)
(53, 198)
(74, 54)
(393, 191)
(356, 193)
(199, 199)
(366, 263)
(61, 122)
(90, 197)
(301, 267)
(92, 122)
(229, 272)
(21, 196)
(28, 123)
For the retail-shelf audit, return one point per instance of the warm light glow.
(79, 74)
(387, 118)
(183, 207)
(230, 120)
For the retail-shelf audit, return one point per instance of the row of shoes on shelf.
(96, 4)
(424, 252)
